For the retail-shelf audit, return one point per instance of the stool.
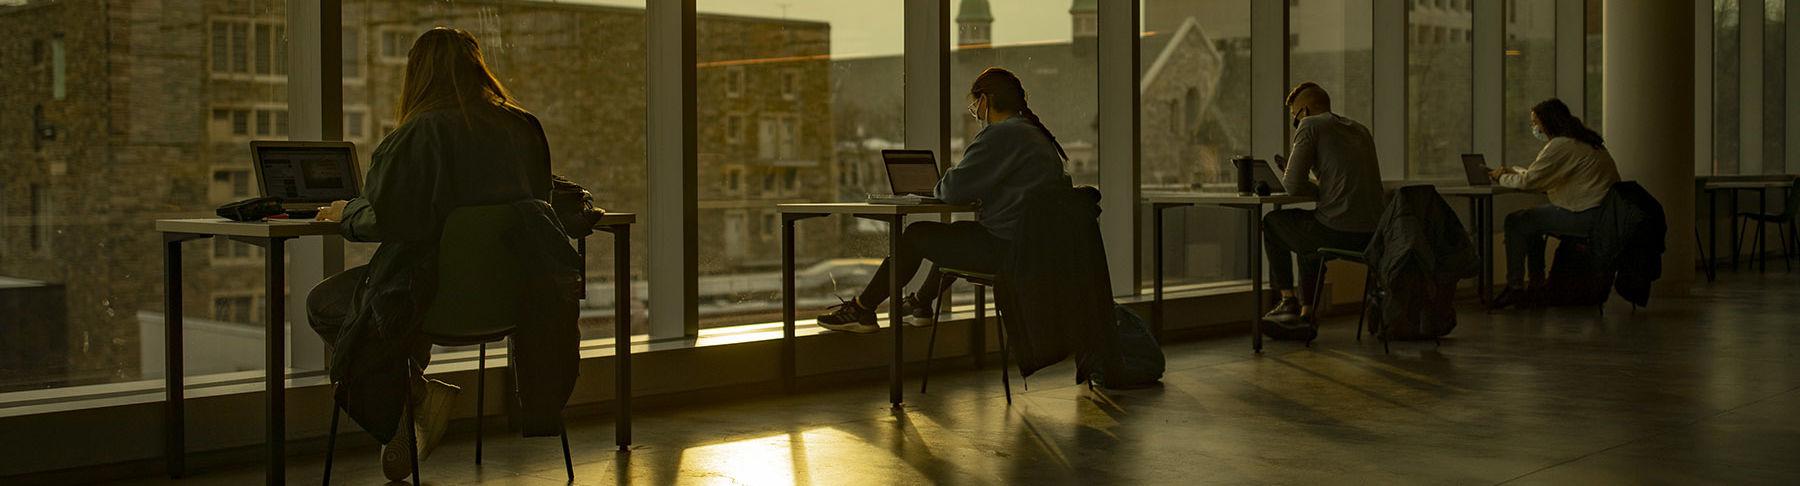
(981, 281)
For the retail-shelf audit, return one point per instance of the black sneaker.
(916, 313)
(1300, 329)
(1287, 311)
(850, 317)
(1511, 297)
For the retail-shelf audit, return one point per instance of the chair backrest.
(481, 279)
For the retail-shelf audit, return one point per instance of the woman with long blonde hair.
(463, 140)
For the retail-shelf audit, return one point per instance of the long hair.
(445, 69)
(1005, 93)
(1558, 122)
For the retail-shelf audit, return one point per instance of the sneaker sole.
(916, 321)
(855, 328)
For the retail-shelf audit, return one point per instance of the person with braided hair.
(1013, 155)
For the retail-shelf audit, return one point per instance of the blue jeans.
(1525, 232)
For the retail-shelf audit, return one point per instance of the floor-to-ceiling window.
(104, 133)
(796, 101)
(1727, 39)
(577, 66)
(1330, 42)
(1774, 98)
(1530, 68)
(1439, 85)
(1596, 65)
(1195, 115)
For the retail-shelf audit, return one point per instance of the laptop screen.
(304, 172)
(911, 172)
(1475, 169)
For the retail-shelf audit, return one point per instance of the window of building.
(355, 124)
(230, 185)
(240, 309)
(395, 43)
(1439, 91)
(734, 128)
(736, 81)
(248, 47)
(790, 85)
(59, 69)
(353, 54)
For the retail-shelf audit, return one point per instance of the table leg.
(1256, 278)
(1156, 265)
(276, 371)
(1736, 241)
(174, 412)
(1762, 207)
(1487, 248)
(622, 333)
(1712, 234)
(896, 371)
(788, 351)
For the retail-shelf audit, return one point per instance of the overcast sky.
(872, 27)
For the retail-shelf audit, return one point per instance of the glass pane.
(1726, 63)
(1530, 69)
(1596, 66)
(577, 66)
(1774, 102)
(796, 100)
(81, 279)
(1195, 116)
(1438, 87)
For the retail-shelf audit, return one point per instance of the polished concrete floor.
(1697, 390)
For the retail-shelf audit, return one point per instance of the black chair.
(1326, 255)
(982, 281)
(1784, 226)
(467, 311)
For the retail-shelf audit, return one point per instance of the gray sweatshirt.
(1342, 153)
(1006, 161)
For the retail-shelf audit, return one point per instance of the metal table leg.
(622, 333)
(1712, 234)
(275, 374)
(1256, 277)
(897, 369)
(174, 404)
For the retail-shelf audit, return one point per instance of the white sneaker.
(434, 414)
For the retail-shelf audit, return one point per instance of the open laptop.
(1264, 172)
(306, 175)
(913, 176)
(1476, 169)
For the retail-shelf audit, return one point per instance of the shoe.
(396, 455)
(916, 313)
(1298, 328)
(434, 415)
(850, 317)
(1287, 311)
(1511, 297)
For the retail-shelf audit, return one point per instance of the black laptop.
(912, 175)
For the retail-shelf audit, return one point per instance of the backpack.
(1139, 359)
(1576, 279)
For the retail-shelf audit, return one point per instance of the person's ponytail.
(1032, 117)
(1006, 93)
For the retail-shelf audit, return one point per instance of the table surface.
(1476, 190)
(1220, 198)
(871, 208)
(1746, 184)
(281, 228)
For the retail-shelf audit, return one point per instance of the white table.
(1160, 201)
(894, 215)
(272, 236)
(1712, 186)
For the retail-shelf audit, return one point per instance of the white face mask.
(1538, 133)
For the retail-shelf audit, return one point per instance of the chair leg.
(568, 463)
(1362, 309)
(1787, 246)
(1318, 294)
(937, 314)
(331, 442)
(412, 426)
(1005, 358)
(1737, 247)
(1760, 248)
(480, 398)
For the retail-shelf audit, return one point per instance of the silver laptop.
(912, 175)
(306, 175)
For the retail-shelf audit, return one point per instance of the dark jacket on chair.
(1058, 295)
(1419, 252)
(1629, 238)
(424, 170)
